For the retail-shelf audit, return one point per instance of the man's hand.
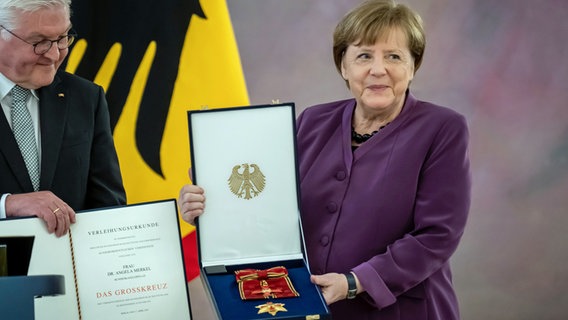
(45, 205)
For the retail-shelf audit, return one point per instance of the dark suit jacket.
(78, 159)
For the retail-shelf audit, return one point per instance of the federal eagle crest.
(247, 183)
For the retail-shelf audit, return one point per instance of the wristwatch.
(351, 286)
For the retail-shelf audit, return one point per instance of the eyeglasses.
(44, 45)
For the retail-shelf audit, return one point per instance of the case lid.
(245, 159)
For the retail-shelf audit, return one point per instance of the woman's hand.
(333, 286)
(191, 202)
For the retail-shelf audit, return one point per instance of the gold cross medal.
(271, 308)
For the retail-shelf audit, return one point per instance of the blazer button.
(332, 207)
(324, 241)
(340, 175)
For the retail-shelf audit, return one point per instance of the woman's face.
(379, 74)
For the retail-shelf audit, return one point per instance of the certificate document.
(119, 263)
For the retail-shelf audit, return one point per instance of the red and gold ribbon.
(265, 284)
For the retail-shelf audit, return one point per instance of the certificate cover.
(250, 238)
(119, 263)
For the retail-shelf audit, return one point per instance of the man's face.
(18, 62)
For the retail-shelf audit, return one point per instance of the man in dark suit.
(68, 161)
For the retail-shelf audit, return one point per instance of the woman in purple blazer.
(385, 178)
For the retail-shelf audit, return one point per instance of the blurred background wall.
(504, 65)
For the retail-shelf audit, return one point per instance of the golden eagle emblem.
(247, 183)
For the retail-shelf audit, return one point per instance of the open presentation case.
(245, 159)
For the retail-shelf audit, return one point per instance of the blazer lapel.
(53, 107)
(11, 152)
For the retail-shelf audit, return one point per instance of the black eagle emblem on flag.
(134, 25)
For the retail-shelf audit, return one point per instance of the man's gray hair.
(8, 9)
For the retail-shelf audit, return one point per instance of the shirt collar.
(6, 86)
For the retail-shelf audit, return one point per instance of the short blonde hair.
(374, 18)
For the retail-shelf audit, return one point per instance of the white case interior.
(236, 230)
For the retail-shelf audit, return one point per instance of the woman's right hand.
(191, 202)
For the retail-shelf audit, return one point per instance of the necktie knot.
(19, 95)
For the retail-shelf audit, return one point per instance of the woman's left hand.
(333, 286)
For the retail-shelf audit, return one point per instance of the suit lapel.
(11, 152)
(53, 108)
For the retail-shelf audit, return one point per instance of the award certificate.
(119, 263)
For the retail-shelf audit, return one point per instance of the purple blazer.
(393, 211)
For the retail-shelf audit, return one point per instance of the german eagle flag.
(156, 59)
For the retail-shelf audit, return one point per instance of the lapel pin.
(61, 95)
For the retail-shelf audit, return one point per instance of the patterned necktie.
(24, 133)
